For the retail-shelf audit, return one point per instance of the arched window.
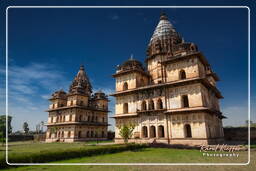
(62, 134)
(144, 132)
(80, 117)
(71, 103)
(184, 101)
(125, 86)
(89, 119)
(161, 131)
(92, 118)
(69, 134)
(103, 119)
(70, 117)
(182, 74)
(81, 103)
(102, 134)
(144, 105)
(152, 131)
(125, 108)
(50, 135)
(187, 129)
(96, 119)
(88, 134)
(51, 119)
(151, 105)
(79, 134)
(64, 118)
(92, 134)
(159, 104)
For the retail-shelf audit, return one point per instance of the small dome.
(100, 95)
(131, 64)
(60, 94)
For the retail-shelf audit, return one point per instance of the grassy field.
(146, 155)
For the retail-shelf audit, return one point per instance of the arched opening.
(79, 134)
(152, 131)
(51, 119)
(88, 134)
(96, 119)
(81, 103)
(89, 119)
(64, 118)
(70, 117)
(159, 104)
(92, 119)
(151, 105)
(80, 117)
(185, 102)
(161, 131)
(102, 134)
(144, 105)
(188, 133)
(144, 132)
(142, 82)
(125, 108)
(92, 134)
(71, 103)
(50, 135)
(182, 74)
(103, 119)
(125, 86)
(62, 134)
(69, 134)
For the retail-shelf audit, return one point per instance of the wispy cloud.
(29, 87)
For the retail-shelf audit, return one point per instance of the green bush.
(49, 156)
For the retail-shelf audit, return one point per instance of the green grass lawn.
(146, 155)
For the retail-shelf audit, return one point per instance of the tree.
(25, 127)
(3, 127)
(125, 131)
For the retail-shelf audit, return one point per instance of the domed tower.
(100, 100)
(80, 90)
(164, 43)
(58, 99)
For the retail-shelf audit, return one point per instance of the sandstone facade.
(175, 99)
(77, 115)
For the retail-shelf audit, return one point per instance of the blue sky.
(47, 46)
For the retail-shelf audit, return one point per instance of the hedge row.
(48, 156)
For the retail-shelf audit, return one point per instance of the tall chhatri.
(174, 100)
(77, 115)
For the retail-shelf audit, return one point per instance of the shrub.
(49, 156)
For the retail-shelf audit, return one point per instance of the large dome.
(164, 29)
(81, 83)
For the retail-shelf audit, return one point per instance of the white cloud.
(29, 88)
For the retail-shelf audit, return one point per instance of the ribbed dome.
(164, 29)
(131, 64)
(81, 83)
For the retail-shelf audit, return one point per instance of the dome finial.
(81, 67)
(131, 58)
(163, 16)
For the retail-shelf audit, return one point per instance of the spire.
(81, 83)
(164, 29)
(163, 16)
